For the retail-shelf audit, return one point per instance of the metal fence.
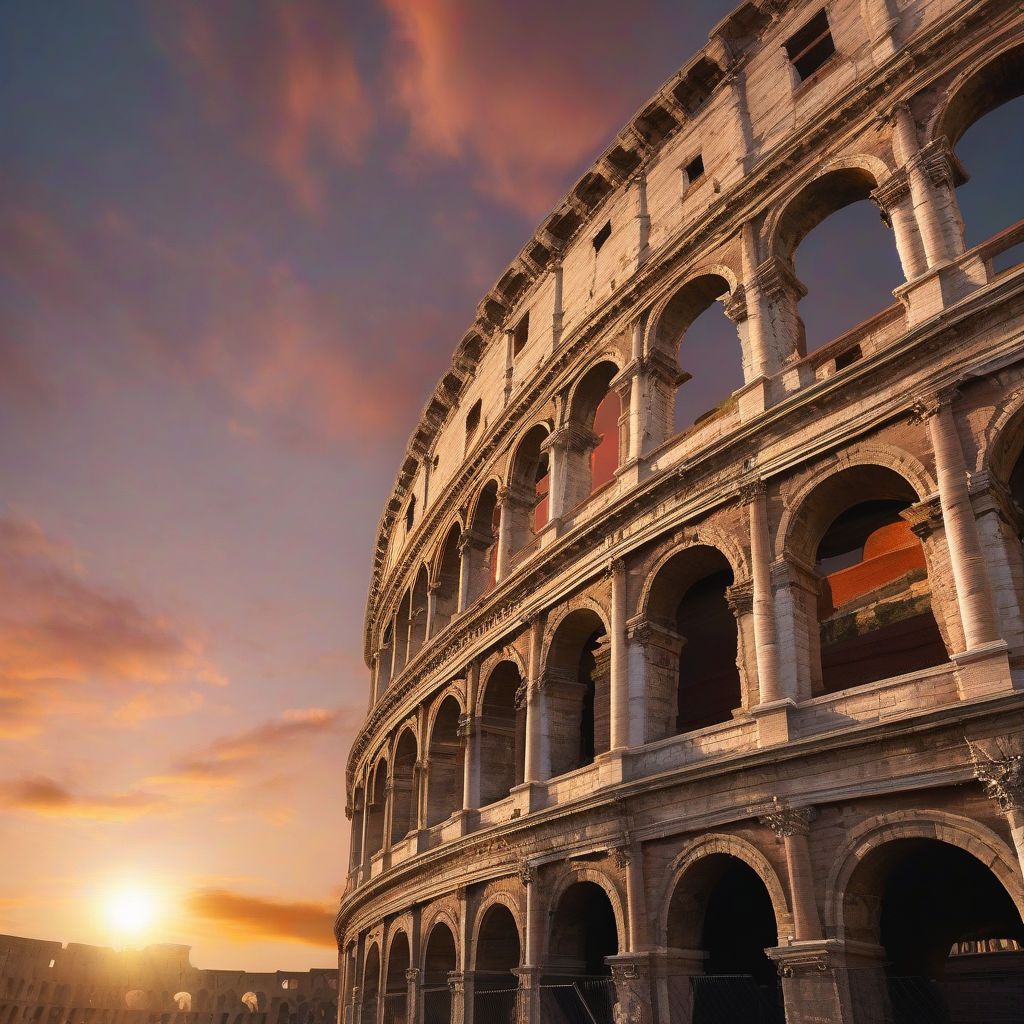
(395, 1008)
(500, 1006)
(731, 999)
(437, 1005)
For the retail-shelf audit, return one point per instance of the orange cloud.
(527, 90)
(228, 760)
(43, 796)
(285, 74)
(61, 633)
(251, 919)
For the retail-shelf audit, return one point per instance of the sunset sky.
(238, 243)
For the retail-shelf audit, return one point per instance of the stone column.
(622, 735)
(1003, 779)
(736, 82)
(760, 356)
(636, 393)
(465, 570)
(766, 650)
(433, 586)
(420, 771)
(970, 574)
(601, 677)
(555, 444)
(740, 599)
(643, 220)
(412, 990)
(654, 652)
(792, 825)
(536, 762)
(505, 513)
(893, 198)
(781, 291)
(631, 975)
(529, 974)
(469, 733)
(556, 315)
(796, 587)
(457, 987)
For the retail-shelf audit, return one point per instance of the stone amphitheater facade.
(667, 722)
(44, 982)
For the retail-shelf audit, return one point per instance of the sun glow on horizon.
(130, 909)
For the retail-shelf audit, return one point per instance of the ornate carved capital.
(412, 975)
(571, 437)
(622, 857)
(818, 961)
(527, 872)
(752, 490)
(788, 821)
(735, 307)
(521, 696)
(940, 164)
(465, 726)
(891, 192)
(776, 278)
(924, 518)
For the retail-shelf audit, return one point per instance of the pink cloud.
(43, 796)
(285, 74)
(528, 91)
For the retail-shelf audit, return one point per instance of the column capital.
(412, 975)
(740, 597)
(751, 490)
(892, 191)
(735, 307)
(527, 873)
(465, 727)
(775, 277)
(456, 982)
(924, 518)
(786, 821)
(571, 436)
(941, 164)
(521, 696)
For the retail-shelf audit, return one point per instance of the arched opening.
(722, 907)
(370, 986)
(583, 935)
(874, 609)
(692, 676)
(592, 447)
(951, 934)
(395, 984)
(385, 656)
(356, 842)
(502, 736)
(577, 692)
(403, 787)
(446, 595)
(444, 758)
(481, 544)
(439, 960)
(497, 956)
(418, 613)
(695, 336)
(375, 811)
(984, 122)
(402, 633)
(527, 493)
(841, 239)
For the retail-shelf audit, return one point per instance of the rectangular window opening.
(694, 170)
(810, 48)
(472, 420)
(602, 236)
(521, 335)
(848, 358)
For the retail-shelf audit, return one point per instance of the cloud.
(248, 754)
(45, 797)
(251, 919)
(62, 636)
(284, 75)
(528, 90)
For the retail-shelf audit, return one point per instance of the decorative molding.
(787, 821)
(1002, 778)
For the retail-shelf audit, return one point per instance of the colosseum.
(716, 717)
(45, 982)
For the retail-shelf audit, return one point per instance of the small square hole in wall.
(694, 170)
(811, 47)
(521, 335)
(602, 236)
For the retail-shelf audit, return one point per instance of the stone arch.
(839, 182)
(792, 522)
(556, 617)
(399, 960)
(497, 897)
(480, 541)
(1003, 437)
(558, 951)
(526, 497)
(576, 686)
(446, 572)
(453, 690)
(992, 79)
(403, 785)
(497, 945)
(964, 833)
(376, 790)
(656, 325)
(501, 715)
(369, 990)
(418, 611)
(440, 957)
(733, 846)
(590, 438)
(445, 753)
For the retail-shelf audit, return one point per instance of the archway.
(874, 609)
(502, 726)
(396, 984)
(356, 841)
(950, 931)
(481, 544)
(983, 121)
(497, 956)
(592, 441)
(439, 960)
(418, 613)
(692, 676)
(446, 596)
(375, 822)
(722, 907)
(577, 691)
(370, 987)
(444, 759)
(403, 787)
(831, 235)
(527, 493)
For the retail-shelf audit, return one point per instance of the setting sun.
(130, 910)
